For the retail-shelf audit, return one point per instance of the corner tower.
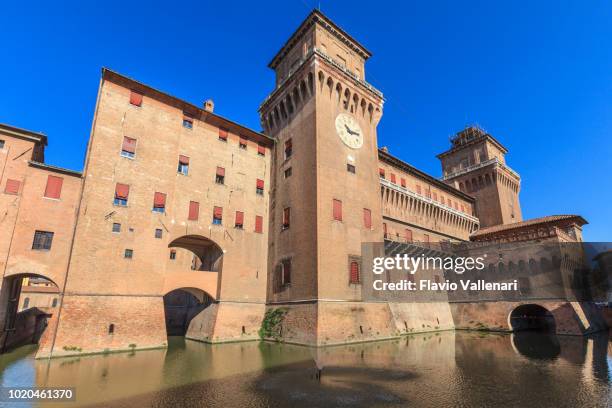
(325, 197)
(476, 164)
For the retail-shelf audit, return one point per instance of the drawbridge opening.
(28, 302)
(181, 306)
(532, 317)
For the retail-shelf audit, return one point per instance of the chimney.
(385, 149)
(209, 105)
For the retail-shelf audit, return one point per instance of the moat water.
(446, 369)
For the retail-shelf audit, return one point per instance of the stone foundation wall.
(570, 318)
(138, 323)
(227, 321)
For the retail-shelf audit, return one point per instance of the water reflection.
(442, 369)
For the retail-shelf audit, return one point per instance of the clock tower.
(325, 193)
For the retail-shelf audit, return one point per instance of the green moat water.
(446, 369)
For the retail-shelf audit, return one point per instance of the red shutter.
(243, 141)
(122, 191)
(261, 149)
(367, 218)
(218, 212)
(381, 172)
(337, 210)
(403, 182)
(260, 183)
(354, 272)
(129, 145)
(222, 134)
(258, 223)
(220, 171)
(385, 229)
(239, 218)
(183, 159)
(408, 235)
(136, 98)
(393, 178)
(194, 210)
(12, 186)
(159, 200)
(54, 187)
(286, 217)
(286, 272)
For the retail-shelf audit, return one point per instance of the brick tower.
(476, 164)
(326, 198)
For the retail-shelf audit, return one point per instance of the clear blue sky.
(537, 75)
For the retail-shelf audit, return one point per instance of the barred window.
(42, 240)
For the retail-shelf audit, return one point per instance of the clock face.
(349, 131)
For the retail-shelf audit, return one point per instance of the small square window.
(42, 240)
(350, 168)
(158, 233)
(242, 143)
(172, 254)
(116, 227)
(219, 179)
(128, 254)
(188, 123)
(288, 172)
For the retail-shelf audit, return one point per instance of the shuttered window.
(187, 122)
(12, 186)
(286, 218)
(385, 229)
(337, 210)
(393, 180)
(403, 182)
(183, 165)
(121, 194)
(435, 196)
(159, 202)
(217, 215)
(418, 189)
(223, 134)
(354, 272)
(242, 143)
(259, 224)
(128, 148)
(239, 222)
(408, 235)
(288, 148)
(261, 150)
(260, 187)
(194, 210)
(367, 218)
(381, 172)
(54, 187)
(135, 98)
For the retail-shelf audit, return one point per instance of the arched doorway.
(532, 317)
(182, 305)
(28, 301)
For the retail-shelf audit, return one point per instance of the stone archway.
(27, 301)
(532, 317)
(181, 306)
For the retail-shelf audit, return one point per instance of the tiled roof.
(528, 223)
